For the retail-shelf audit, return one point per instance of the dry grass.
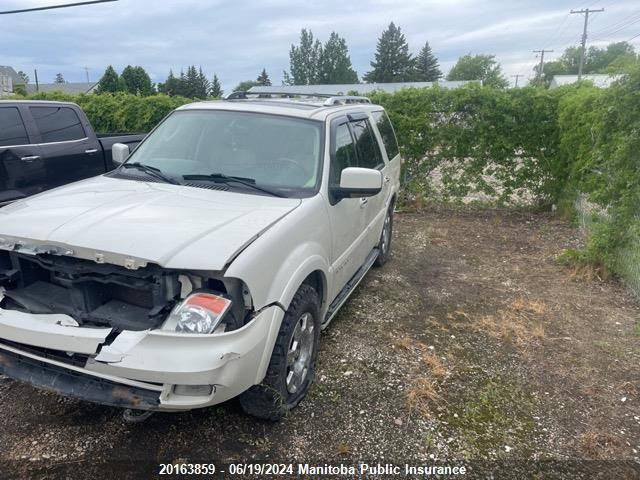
(520, 322)
(420, 394)
(599, 445)
(423, 389)
(344, 449)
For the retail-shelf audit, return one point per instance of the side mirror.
(358, 182)
(119, 153)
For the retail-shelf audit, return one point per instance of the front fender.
(276, 264)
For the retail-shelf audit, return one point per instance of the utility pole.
(517, 76)
(35, 71)
(583, 52)
(86, 70)
(541, 67)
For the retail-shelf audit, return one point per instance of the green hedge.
(474, 133)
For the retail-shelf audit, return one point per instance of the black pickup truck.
(47, 144)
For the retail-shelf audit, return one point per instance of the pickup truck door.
(22, 170)
(348, 215)
(70, 149)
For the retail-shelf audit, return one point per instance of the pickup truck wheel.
(292, 366)
(384, 246)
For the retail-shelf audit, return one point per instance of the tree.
(59, 78)
(304, 60)
(334, 62)
(216, 89)
(479, 67)
(24, 77)
(245, 86)
(137, 81)
(393, 62)
(202, 85)
(427, 67)
(263, 79)
(110, 82)
(171, 86)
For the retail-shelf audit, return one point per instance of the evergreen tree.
(216, 89)
(137, 81)
(245, 86)
(304, 60)
(171, 86)
(335, 63)
(393, 62)
(479, 67)
(191, 82)
(110, 81)
(203, 85)
(263, 79)
(427, 67)
(59, 78)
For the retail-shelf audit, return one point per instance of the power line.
(586, 13)
(51, 7)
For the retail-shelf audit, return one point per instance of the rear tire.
(384, 245)
(292, 366)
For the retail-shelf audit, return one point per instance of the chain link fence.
(628, 259)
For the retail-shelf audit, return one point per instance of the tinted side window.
(386, 132)
(344, 155)
(368, 148)
(57, 124)
(12, 131)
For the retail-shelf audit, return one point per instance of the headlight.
(199, 313)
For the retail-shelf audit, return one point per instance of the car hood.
(132, 223)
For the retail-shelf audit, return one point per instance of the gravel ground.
(473, 344)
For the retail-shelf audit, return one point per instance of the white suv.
(205, 266)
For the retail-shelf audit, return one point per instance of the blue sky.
(236, 39)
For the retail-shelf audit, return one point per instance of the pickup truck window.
(12, 131)
(278, 152)
(368, 149)
(386, 132)
(57, 124)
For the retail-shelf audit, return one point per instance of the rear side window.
(57, 124)
(386, 131)
(12, 131)
(368, 149)
(344, 155)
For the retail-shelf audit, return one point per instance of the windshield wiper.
(153, 171)
(222, 178)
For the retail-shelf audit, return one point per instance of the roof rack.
(331, 100)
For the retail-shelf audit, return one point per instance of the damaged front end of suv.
(127, 333)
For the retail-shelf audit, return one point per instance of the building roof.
(603, 80)
(67, 87)
(361, 88)
(10, 72)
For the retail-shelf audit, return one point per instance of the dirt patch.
(473, 343)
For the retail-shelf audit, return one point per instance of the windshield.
(279, 153)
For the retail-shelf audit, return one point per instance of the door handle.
(30, 158)
(387, 179)
(363, 202)
(91, 150)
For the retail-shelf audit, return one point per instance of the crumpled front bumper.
(150, 369)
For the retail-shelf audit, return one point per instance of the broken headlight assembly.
(198, 313)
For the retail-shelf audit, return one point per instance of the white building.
(361, 88)
(599, 80)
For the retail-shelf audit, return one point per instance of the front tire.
(384, 245)
(292, 366)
